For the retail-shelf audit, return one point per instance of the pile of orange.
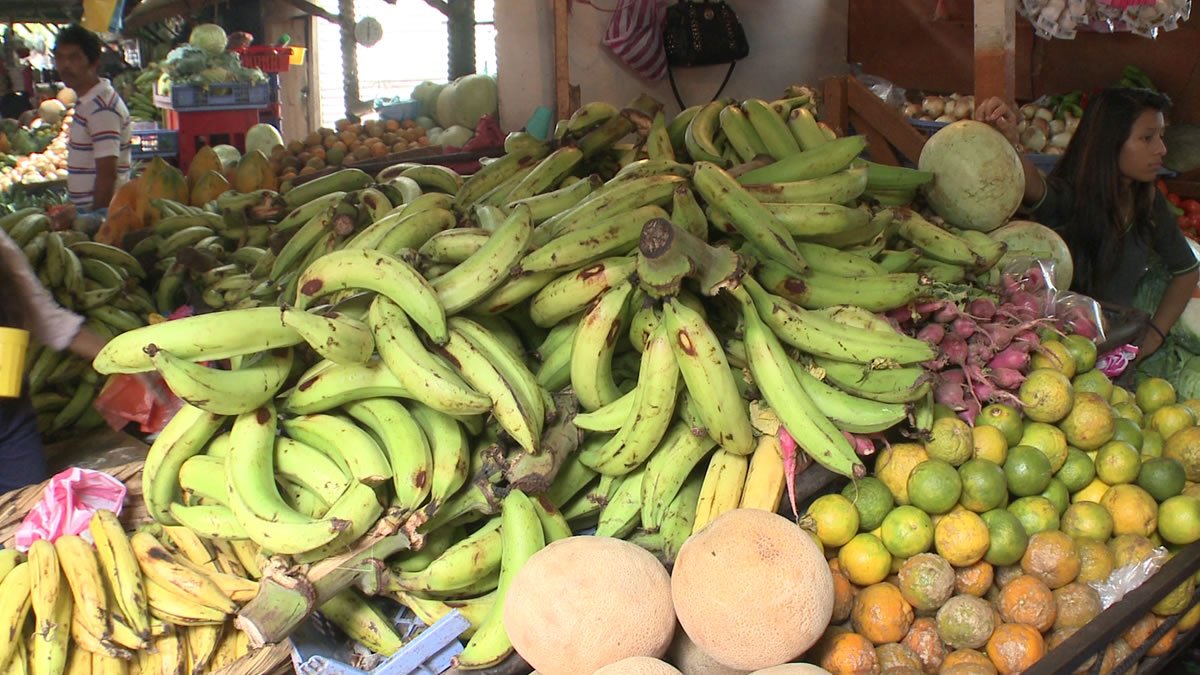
(347, 143)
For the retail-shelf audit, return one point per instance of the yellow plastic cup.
(13, 343)
(297, 56)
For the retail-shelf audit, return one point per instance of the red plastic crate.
(198, 129)
(267, 59)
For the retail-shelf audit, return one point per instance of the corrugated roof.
(41, 11)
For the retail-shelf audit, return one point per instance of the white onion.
(912, 109)
(1057, 126)
(946, 118)
(934, 106)
(1028, 110)
(962, 109)
(1060, 140)
(1044, 113)
(1033, 138)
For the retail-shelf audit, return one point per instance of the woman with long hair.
(25, 304)
(1102, 199)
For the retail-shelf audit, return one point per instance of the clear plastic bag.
(1080, 315)
(885, 90)
(1125, 579)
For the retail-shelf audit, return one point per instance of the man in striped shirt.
(98, 143)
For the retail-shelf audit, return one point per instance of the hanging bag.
(635, 36)
(702, 33)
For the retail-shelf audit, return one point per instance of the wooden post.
(995, 49)
(562, 61)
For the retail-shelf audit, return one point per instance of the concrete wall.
(791, 42)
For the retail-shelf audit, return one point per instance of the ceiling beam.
(310, 8)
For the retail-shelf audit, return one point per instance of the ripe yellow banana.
(82, 569)
(766, 478)
(120, 568)
(160, 566)
(722, 488)
(15, 600)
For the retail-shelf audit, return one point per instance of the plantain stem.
(668, 254)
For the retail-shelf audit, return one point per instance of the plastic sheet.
(67, 504)
(1125, 579)
(1062, 19)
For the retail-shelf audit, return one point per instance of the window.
(414, 48)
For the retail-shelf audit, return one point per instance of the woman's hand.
(1000, 115)
(1151, 342)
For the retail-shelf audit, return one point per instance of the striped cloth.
(635, 36)
(101, 129)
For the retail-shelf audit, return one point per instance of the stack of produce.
(159, 600)
(1046, 125)
(136, 88)
(348, 142)
(99, 282)
(451, 111)
(1187, 210)
(205, 62)
(34, 156)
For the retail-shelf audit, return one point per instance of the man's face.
(73, 66)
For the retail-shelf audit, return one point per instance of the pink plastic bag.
(1114, 363)
(635, 36)
(67, 504)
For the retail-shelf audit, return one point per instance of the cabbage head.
(210, 38)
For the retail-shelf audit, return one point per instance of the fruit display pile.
(347, 142)
(608, 355)
(42, 159)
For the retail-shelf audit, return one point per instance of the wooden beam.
(562, 61)
(995, 49)
(884, 118)
(310, 8)
(834, 110)
(439, 5)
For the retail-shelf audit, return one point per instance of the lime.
(1058, 495)
(1037, 514)
(1179, 519)
(1083, 350)
(1046, 395)
(1003, 417)
(907, 531)
(1154, 393)
(1049, 439)
(1171, 418)
(1027, 471)
(1087, 520)
(1130, 411)
(950, 440)
(1152, 443)
(872, 499)
(1055, 356)
(1117, 462)
(895, 464)
(1162, 477)
(1120, 395)
(834, 518)
(1077, 472)
(934, 486)
(1128, 431)
(983, 485)
(1093, 381)
(1007, 537)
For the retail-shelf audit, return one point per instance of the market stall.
(780, 382)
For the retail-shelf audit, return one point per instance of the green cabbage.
(210, 38)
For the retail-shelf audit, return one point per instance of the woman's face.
(1142, 154)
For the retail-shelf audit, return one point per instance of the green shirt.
(1119, 284)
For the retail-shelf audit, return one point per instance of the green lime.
(1007, 537)
(1117, 462)
(872, 499)
(833, 518)
(1083, 350)
(907, 531)
(983, 485)
(1077, 472)
(1126, 430)
(1152, 443)
(1094, 381)
(1058, 495)
(1003, 417)
(934, 486)
(1130, 411)
(1162, 477)
(1179, 520)
(1087, 520)
(1049, 439)
(950, 440)
(1027, 471)
(1037, 514)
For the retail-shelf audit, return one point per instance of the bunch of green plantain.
(609, 330)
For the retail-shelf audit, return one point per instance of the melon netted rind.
(978, 177)
(638, 665)
(691, 660)
(776, 605)
(792, 669)
(583, 603)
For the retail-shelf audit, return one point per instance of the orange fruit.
(1094, 381)
(843, 593)
(1006, 537)
(894, 466)
(926, 581)
(1003, 417)
(967, 661)
(1140, 631)
(881, 614)
(1165, 643)
(1077, 604)
(1087, 520)
(1037, 514)
(1090, 424)
(1177, 600)
(1027, 600)
(1026, 470)
(1118, 462)
(924, 641)
(974, 579)
(1047, 395)
(1015, 647)
(1171, 419)
(1179, 520)
(965, 622)
(1052, 558)
(1154, 393)
(1133, 510)
(865, 560)
(950, 440)
(834, 518)
(1050, 440)
(1184, 447)
(1189, 620)
(1060, 635)
(1129, 548)
(907, 531)
(1095, 560)
(988, 443)
(1056, 356)
(961, 537)
(842, 651)
(983, 485)
(934, 486)
(1083, 351)
(894, 657)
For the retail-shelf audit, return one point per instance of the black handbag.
(703, 33)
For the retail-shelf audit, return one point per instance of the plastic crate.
(219, 96)
(267, 59)
(210, 127)
(319, 649)
(154, 143)
(400, 111)
(929, 127)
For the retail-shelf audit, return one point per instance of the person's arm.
(86, 344)
(106, 181)
(1170, 308)
(52, 325)
(1003, 118)
(1176, 254)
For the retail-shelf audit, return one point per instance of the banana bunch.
(137, 90)
(100, 282)
(159, 600)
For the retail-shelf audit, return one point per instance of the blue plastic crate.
(320, 649)
(149, 143)
(218, 96)
(400, 111)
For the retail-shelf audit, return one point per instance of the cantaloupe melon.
(638, 665)
(584, 602)
(752, 589)
(691, 660)
(792, 669)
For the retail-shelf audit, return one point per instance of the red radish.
(789, 450)
(982, 308)
(863, 446)
(964, 327)
(946, 314)
(1007, 378)
(971, 412)
(955, 349)
(932, 333)
(1010, 358)
(929, 307)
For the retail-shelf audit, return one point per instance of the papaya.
(119, 222)
(162, 181)
(129, 195)
(208, 187)
(254, 173)
(205, 160)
